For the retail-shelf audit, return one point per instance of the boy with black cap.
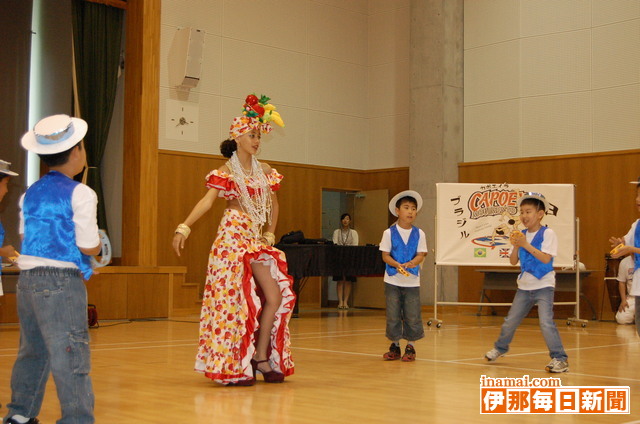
(535, 249)
(59, 226)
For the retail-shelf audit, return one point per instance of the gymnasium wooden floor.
(142, 372)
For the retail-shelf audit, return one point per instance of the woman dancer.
(248, 296)
(344, 236)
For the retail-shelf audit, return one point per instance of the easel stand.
(571, 320)
(576, 265)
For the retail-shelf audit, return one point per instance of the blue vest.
(529, 263)
(636, 243)
(49, 230)
(402, 252)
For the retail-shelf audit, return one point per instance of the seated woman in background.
(344, 236)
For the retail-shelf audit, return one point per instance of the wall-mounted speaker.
(185, 57)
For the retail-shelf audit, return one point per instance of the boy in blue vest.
(535, 248)
(630, 245)
(403, 247)
(7, 251)
(60, 233)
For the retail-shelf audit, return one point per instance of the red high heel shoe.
(269, 376)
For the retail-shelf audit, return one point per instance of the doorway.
(334, 204)
(369, 217)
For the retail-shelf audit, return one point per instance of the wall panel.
(314, 62)
(571, 66)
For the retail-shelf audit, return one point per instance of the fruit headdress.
(257, 113)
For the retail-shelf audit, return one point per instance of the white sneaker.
(493, 354)
(557, 365)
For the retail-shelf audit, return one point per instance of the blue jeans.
(404, 313)
(522, 304)
(54, 337)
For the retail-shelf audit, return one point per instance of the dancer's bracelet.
(269, 237)
(184, 230)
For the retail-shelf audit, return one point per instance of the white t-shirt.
(385, 246)
(629, 240)
(350, 240)
(527, 281)
(625, 272)
(84, 202)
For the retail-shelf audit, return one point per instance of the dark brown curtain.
(97, 41)
(15, 51)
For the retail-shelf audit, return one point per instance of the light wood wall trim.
(113, 3)
(144, 292)
(8, 308)
(140, 163)
(398, 169)
(549, 158)
(170, 295)
(278, 163)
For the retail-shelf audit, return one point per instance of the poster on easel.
(473, 221)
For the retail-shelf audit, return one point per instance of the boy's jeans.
(54, 336)
(522, 304)
(404, 313)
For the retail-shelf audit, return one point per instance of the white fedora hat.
(406, 193)
(54, 134)
(537, 196)
(4, 168)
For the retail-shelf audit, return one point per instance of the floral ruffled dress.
(232, 303)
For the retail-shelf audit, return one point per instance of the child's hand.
(10, 252)
(516, 238)
(622, 251)
(402, 271)
(616, 249)
(623, 305)
(616, 241)
(14, 257)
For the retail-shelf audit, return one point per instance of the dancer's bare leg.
(273, 298)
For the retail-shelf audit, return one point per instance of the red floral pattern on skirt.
(231, 304)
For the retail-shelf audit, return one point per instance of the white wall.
(389, 83)
(550, 77)
(336, 69)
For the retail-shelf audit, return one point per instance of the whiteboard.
(473, 221)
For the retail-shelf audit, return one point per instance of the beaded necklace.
(345, 236)
(257, 207)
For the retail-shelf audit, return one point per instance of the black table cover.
(306, 260)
